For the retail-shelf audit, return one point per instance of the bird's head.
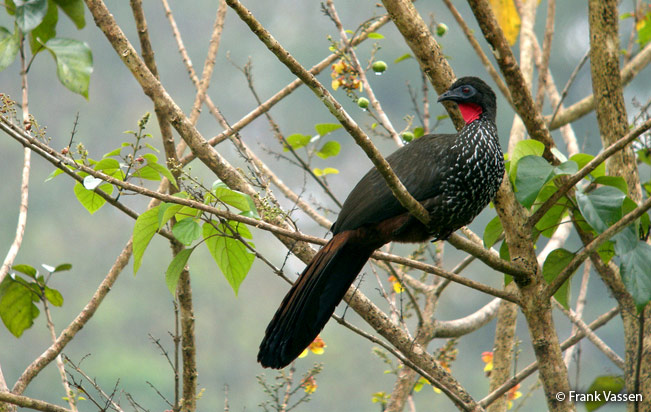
(473, 96)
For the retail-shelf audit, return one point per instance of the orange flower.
(344, 75)
(317, 347)
(512, 395)
(309, 384)
(487, 357)
(397, 287)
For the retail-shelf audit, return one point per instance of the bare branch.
(527, 371)
(426, 50)
(468, 324)
(592, 337)
(397, 188)
(522, 99)
(585, 106)
(25, 402)
(75, 326)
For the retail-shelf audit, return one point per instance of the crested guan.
(454, 176)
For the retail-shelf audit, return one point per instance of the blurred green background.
(229, 328)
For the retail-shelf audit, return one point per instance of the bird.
(454, 176)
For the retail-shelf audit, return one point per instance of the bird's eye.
(466, 90)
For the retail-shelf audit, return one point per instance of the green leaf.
(601, 385)
(232, 257)
(11, 7)
(53, 296)
(327, 171)
(324, 128)
(107, 164)
(9, 46)
(30, 13)
(329, 149)
(643, 28)
(492, 232)
(232, 197)
(418, 132)
(166, 211)
(297, 140)
(405, 56)
(147, 172)
(89, 198)
(375, 35)
(635, 258)
(17, 309)
(187, 212)
(602, 207)
(175, 269)
(566, 168)
(62, 267)
(186, 231)
(26, 269)
(114, 152)
(532, 174)
(582, 159)
(74, 63)
(162, 170)
(556, 261)
(614, 181)
(46, 30)
(75, 10)
(524, 148)
(548, 224)
(144, 229)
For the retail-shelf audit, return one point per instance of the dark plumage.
(454, 176)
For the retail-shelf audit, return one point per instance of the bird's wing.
(371, 200)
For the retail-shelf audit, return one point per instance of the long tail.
(311, 301)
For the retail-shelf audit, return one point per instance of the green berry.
(379, 66)
(441, 29)
(362, 102)
(407, 136)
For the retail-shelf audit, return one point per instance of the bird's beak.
(449, 95)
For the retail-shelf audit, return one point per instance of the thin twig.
(75, 326)
(92, 381)
(397, 188)
(31, 403)
(569, 83)
(586, 105)
(59, 361)
(592, 337)
(547, 47)
(382, 118)
(580, 306)
(480, 53)
(59, 160)
(531, 368)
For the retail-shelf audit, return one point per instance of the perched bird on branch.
(454, 176)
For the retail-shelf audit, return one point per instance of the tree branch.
(397, 188)
(522, 99)
(75, 326)
(589, 167)
(26, 402)
(596, 242)
(585, 106)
